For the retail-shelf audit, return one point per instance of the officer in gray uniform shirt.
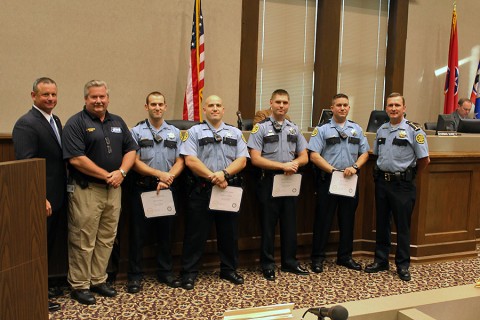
(402, 152)
(157, 165)
(339, 144)
(215, 153)
(277, 146)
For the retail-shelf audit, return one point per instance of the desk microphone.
(334, 313)
(239, 120)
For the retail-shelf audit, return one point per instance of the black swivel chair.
(247, 124)
(182, 124)
(430, 125)
(377, 118)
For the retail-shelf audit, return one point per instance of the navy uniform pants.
(281, 209)
(397, 199)
(327, 205)
(198, 222)
(139, 229)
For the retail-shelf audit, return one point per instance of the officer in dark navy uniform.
(215, 153)
(277, 146)
(157, 165)
(337, 145)
(402, 152)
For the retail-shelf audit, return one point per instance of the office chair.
(377, 118)
(430, 125)
(182, 124)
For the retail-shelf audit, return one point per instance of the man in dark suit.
(37, 134)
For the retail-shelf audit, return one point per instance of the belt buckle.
(387, 176)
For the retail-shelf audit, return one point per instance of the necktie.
(54, 127)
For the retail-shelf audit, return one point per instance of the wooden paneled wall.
(23, 244)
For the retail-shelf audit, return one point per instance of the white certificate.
(286, 185)
(158, 205)
(343, 186)
(227, 199)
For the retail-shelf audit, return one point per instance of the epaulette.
(415, 126)
(264, 120)
(230, 125)
(351, 121)
(141, 122)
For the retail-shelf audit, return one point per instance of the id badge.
(70, 188)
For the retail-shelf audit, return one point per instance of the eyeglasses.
(109, 148)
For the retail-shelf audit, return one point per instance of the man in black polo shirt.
(100, 150)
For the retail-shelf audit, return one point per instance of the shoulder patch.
(255, 128)
(315, 132)
(415, 126)
(141, 122)
(184, 136)
(420, 138)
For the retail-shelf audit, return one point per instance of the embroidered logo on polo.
(116, 130)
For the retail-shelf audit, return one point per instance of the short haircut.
(154, 93)
(463, 100)
(280, 92)
(94, 83)
(338, 96)
(42, 80)
(396, 94)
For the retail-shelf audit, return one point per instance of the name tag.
(116, 130)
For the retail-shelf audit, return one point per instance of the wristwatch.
(226, 174)
(354, 166)
(124, 174)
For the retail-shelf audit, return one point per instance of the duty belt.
(271, 173)
(147, 182)
(408, 175)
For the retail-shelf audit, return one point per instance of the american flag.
(451, 81)
(475, 97)
(194, 93)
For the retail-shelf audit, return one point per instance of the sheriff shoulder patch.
(255, 128)
(420, 138)
(315, 132)
(184, 137)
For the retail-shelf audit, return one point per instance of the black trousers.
(394, 199)
(281, 209)
(198, 222)
(327, 205)
(139, 228)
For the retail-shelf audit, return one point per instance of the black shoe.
(188, 283)
(84, 296)
(52, 306)
(104, 289)
(54, 292)
(350, 264)
(404, 274)
(269, 274)
(317, 267)
(134, 286)
(376, 267)
(170, 281)
(233, 277)
(296, 270)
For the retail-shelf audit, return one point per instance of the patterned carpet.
(212, 295)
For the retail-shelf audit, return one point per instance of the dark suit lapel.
(41, 119)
